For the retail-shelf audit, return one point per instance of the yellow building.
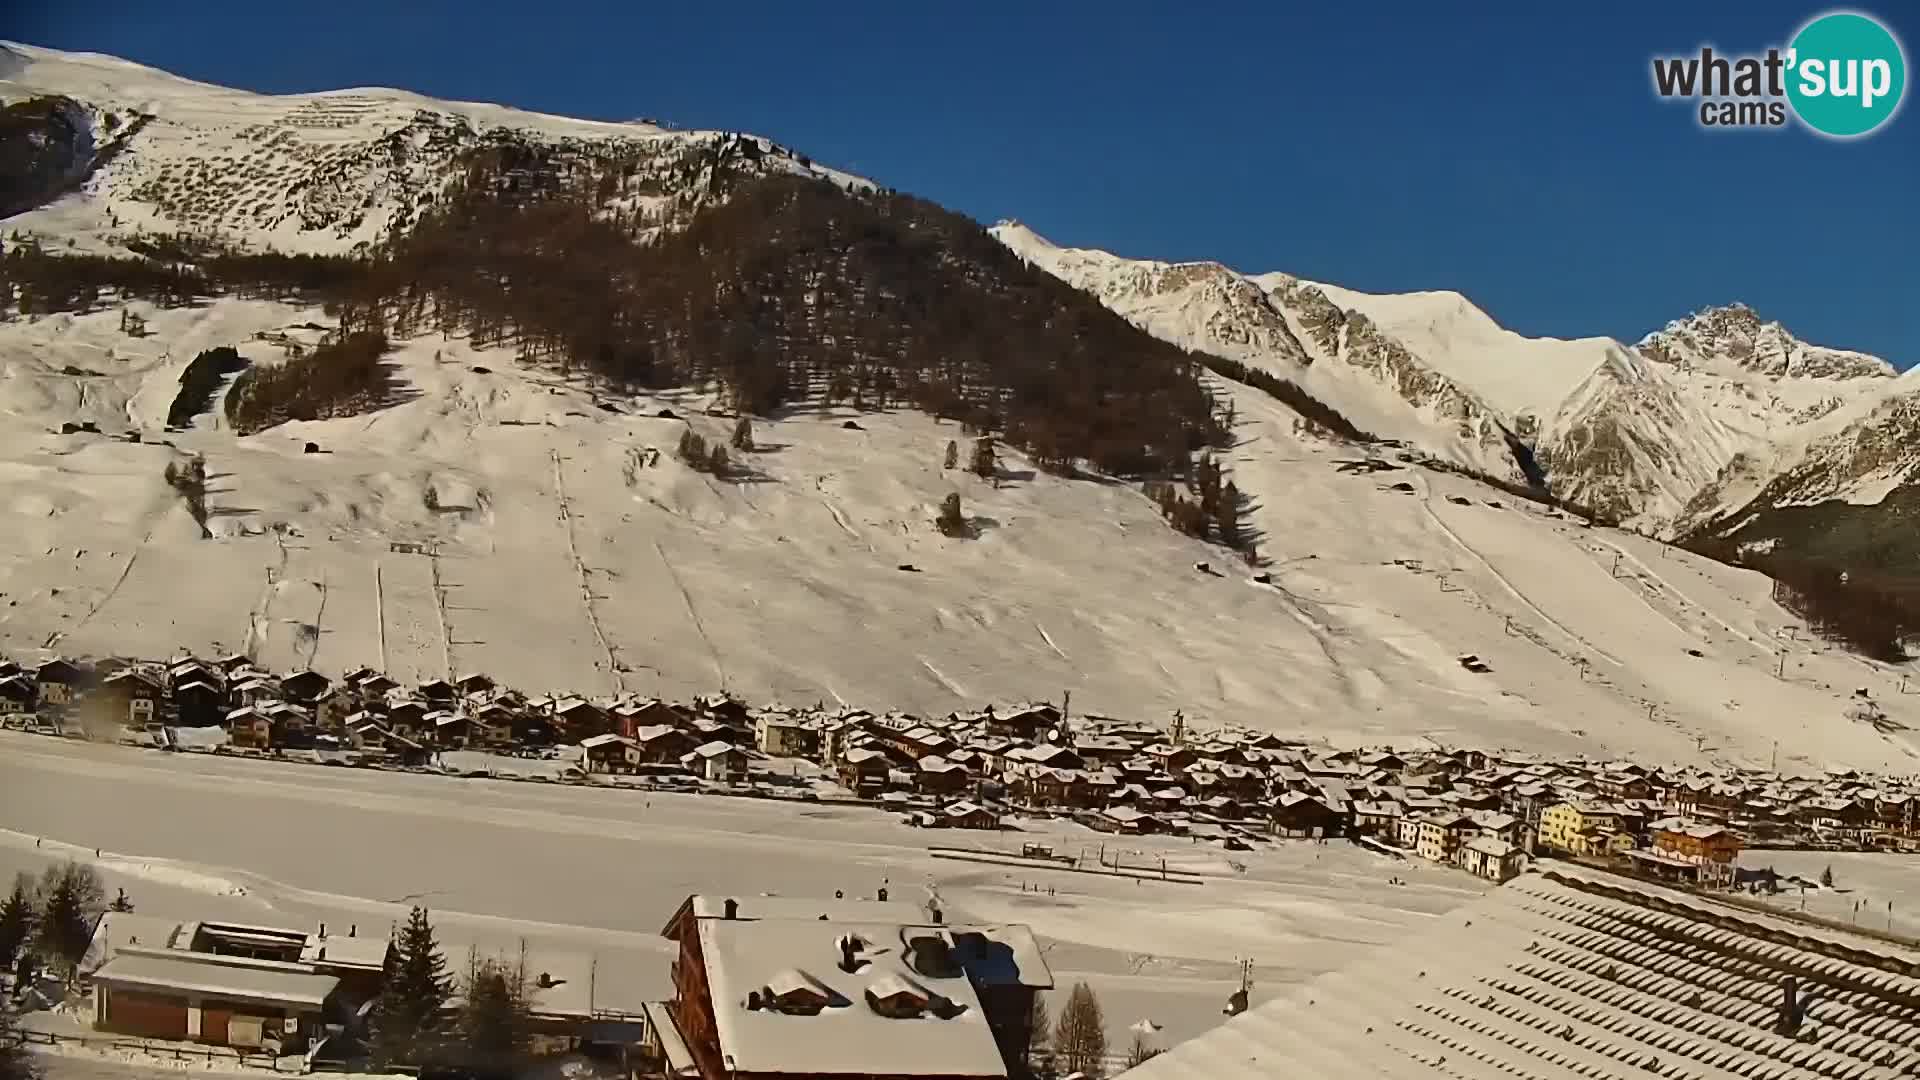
(1584, 829)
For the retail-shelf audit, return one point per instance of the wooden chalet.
(304, 687)
(439, 692)
(609, 753)
(661, 744)
(630, 716)
(133, 696)
(578, 718)
(863, 770)
(773, 987)
(58, 681)
(1028, 722)
(717, 761)
(1296, 813)
(938, 776)
(18, 695)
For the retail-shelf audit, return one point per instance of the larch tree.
(495, 1030)
(743, 435)
(1080, 1036)
(1039, 1026)
(71, 899)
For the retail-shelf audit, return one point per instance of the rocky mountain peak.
(1735, 336)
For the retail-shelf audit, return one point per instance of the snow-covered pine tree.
(415, 990)
(16, 920)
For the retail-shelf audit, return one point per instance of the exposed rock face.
(1736, 335)
(46, 145)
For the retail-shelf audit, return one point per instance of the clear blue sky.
(1515, 153)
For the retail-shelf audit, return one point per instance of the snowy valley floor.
(600, 871)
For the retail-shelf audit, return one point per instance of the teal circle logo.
(1846, 74)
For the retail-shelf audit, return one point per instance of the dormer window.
(795, 993)
(896, 998)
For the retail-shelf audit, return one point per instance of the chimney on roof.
(323, 931)
(882, 896)
(753, 1001)
(933, 912)
(545, 981)
(353, 929)
(730, 908)
(850, 947)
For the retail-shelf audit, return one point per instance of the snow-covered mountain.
(502, 514)
(1683, 429)
(320, 173)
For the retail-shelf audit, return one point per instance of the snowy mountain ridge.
(320, 173)
(1680, 430)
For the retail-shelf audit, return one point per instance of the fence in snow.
(225, 1055)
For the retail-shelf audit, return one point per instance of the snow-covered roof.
(119, 930)
(859, 909)
(349, 951)
(592, 741)
(847, 1036)
(225, 976)
(1490, 847)
(1577, 973)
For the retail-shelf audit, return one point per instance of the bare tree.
(71, 898)
(1039, 1025)
(1080, 1037)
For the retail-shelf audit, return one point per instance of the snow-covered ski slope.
(554, 541)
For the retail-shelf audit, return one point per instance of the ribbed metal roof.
(1576, 974)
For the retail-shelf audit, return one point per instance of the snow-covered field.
(574, 552)
(1875, 891)
(600, 871)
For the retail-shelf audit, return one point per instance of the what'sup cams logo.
(1843, 75)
